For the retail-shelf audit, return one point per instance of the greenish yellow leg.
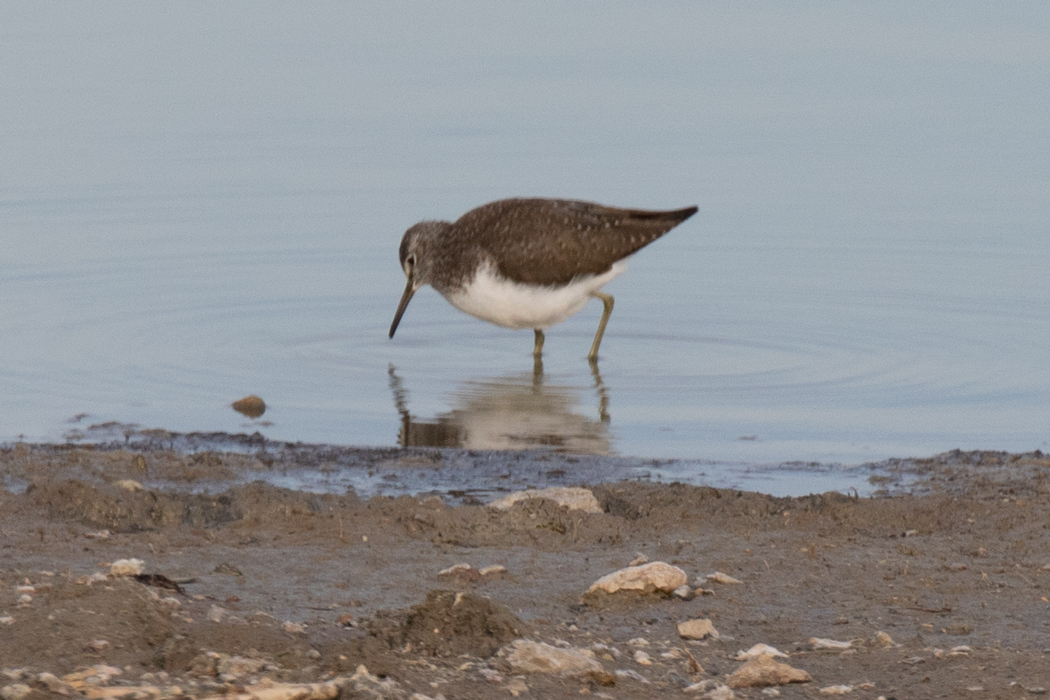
(607, 301)
(537, 350)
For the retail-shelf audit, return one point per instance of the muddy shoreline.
(949, 559)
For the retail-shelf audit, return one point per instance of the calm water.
(199, 201)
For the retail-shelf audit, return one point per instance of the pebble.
(655, 577)
(684, 592)
(516, 687)
(820, 643)
(642, 659)
(456, 569)
(758, 651)
(712, 690)
(97, 645)
(129, 485)
(697, 629)
(54, 684)
(126, 567)
(251, 406)
(836, 690)
(883, 640)
(15, 691)
(526, 656)
(571, 497)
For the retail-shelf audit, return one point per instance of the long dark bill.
(405, 298)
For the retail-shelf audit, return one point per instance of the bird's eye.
(410, 261)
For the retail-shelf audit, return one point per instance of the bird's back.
(552, 241)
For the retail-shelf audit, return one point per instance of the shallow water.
(199, 202)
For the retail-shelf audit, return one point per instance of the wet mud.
(940, 580)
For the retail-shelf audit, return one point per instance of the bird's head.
(417, 254)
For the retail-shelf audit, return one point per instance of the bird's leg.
(537, 350)
(607, 301)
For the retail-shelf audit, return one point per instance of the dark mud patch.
(120, 509)
(68, 624)
(451, 623)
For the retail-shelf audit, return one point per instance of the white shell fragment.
(758, 651)
(126, 567)
(719, 577)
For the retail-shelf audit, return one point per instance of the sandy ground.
(281, 586)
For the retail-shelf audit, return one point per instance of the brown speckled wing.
(551, 241)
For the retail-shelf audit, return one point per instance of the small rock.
(7, 620)
(836, 690)
(462, 572)
(492, 570)
(126, 567)
(97, 645)
(639, 559)
(526, 656)
(573, 498)
(251, 406)
(216, 613)
(516, 687)
(758, 651)
(882, 639)
(294, 627)
(697, 629)
(764, 671)
(129, 485)
(54, 685)
(15, 691)
(656, 577)
(365, 685)
(820, 643)
(712, 690)
(642, 659)
(683, 592)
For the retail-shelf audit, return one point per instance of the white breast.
(503, 302)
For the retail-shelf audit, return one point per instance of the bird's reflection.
(511, 413)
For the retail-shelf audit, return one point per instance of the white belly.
(512, 305)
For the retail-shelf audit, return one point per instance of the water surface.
(201, 201)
